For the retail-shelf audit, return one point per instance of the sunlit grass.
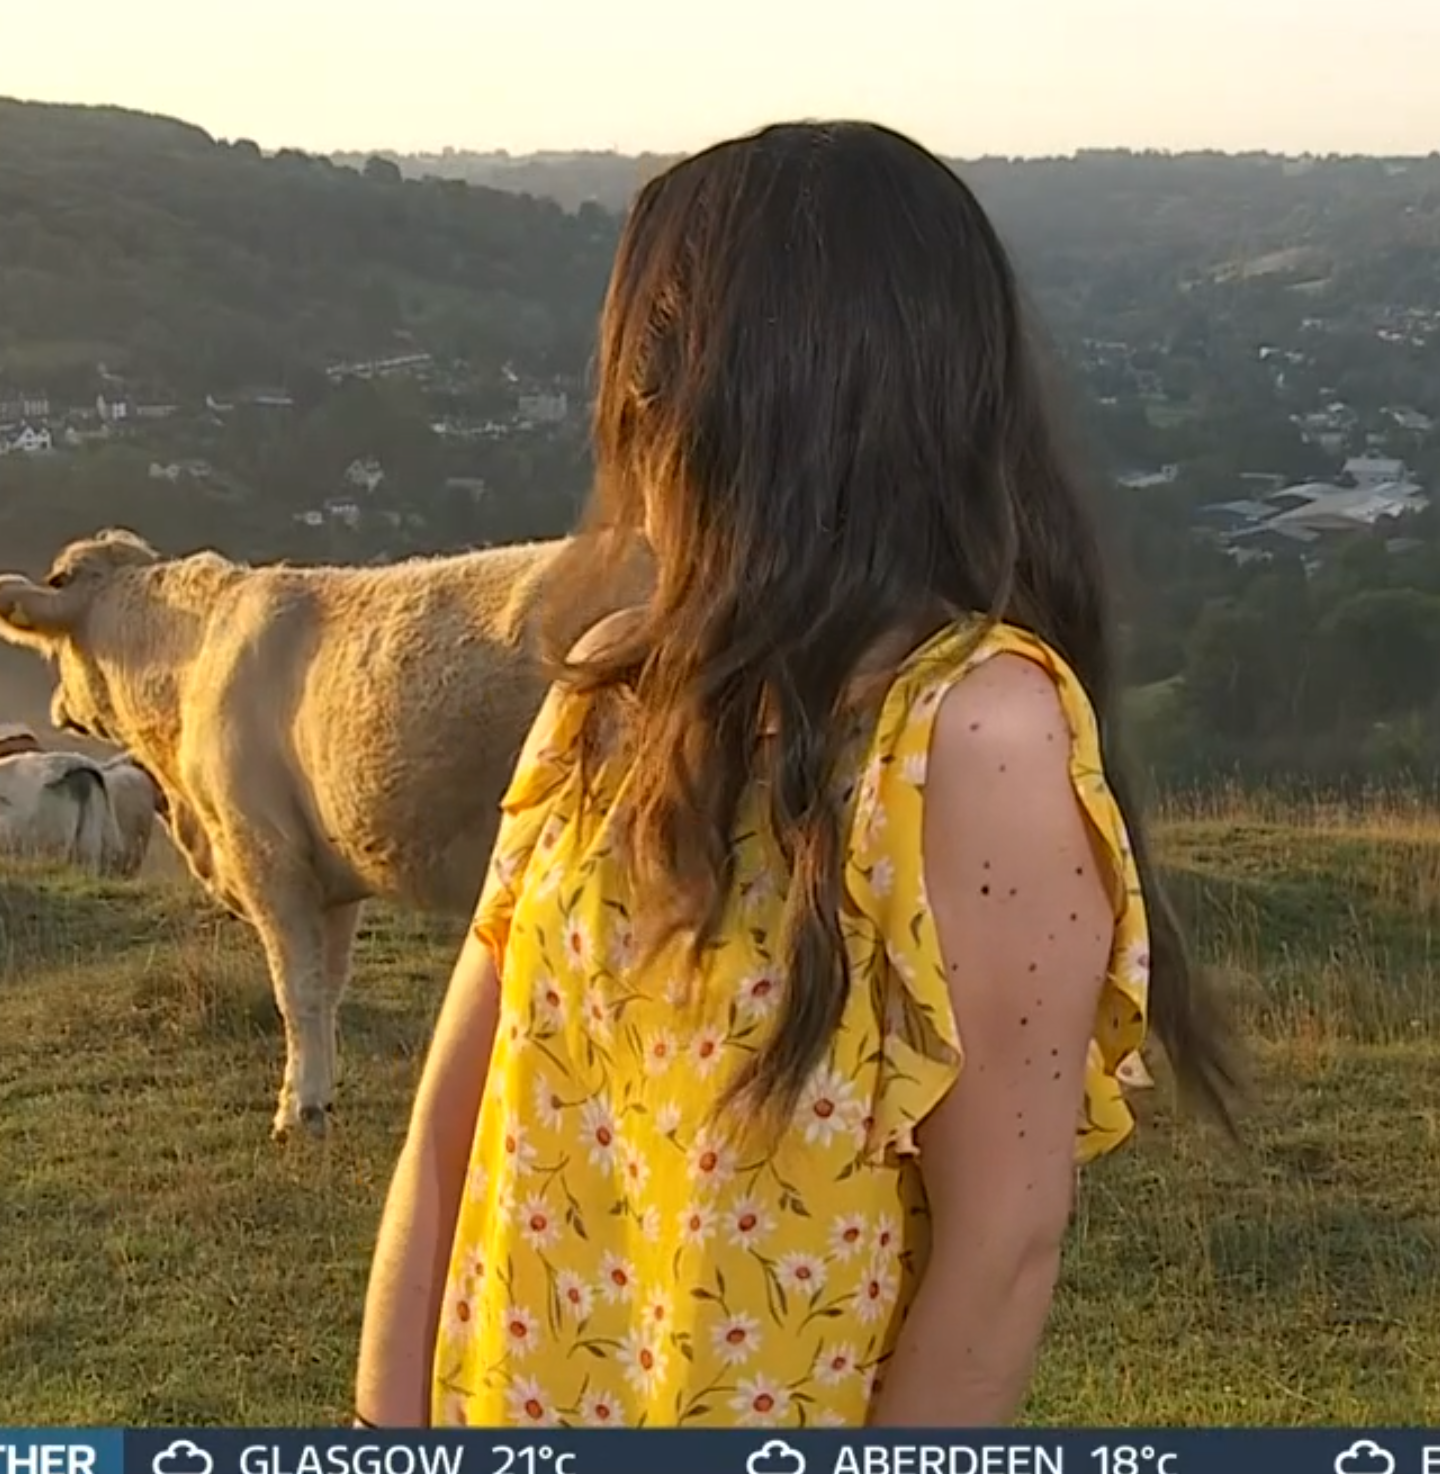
(163, 1262)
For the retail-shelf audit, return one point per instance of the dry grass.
(162, 1262)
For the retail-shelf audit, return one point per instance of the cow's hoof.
(287, 1118)
(315, 1119)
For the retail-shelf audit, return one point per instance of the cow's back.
(51, 804)
(413, 689)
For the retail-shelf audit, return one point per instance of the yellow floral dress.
(617, 1260)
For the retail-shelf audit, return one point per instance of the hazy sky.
(965, 76)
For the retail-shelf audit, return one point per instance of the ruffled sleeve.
(921, 1053)
(546, 761)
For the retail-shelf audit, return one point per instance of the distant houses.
(1296, 517)
(27, 440)
(1226, 519)
(23, 406)
(543, 408)
(175, 471)
(469, 406)
(1141, 480)
(158, 409)
(363, 477)
(223, 404)
(365, 474)
(1327, 428)
(30, 422)
(401, 365)
(343, 509)
(1374, 471)
(487, 429)
(1411, 420)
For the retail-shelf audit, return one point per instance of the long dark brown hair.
(820, 400)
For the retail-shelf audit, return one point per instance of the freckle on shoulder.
(1005, 709)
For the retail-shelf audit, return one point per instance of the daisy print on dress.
(829, 1108)
(600, 1409)
(625, 1258)
(547, 1006)
(575, 1297)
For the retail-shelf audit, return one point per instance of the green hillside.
(1231, 328)
(163, 1262)
(1109, 229)
(146, 243)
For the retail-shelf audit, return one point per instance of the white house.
(1139, 480)
(403, 365)
(1371, 471)
(1315, 508)
(24, 405)
(343, 509)
(29, 441)
(365, 474)
(177, 470)
(269, 398)
(543, 408)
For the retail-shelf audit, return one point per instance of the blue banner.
(727, 1451)
(62, 1451)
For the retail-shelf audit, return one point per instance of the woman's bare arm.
(412, 1253)
(1026, 926)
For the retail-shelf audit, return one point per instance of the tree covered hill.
(1256, 236)
(1110, 225)
(146, 244)
(1233, 327)
(1194, 264)
(573, 178)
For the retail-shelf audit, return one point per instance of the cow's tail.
(95, 838)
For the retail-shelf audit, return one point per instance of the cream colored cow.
(64, 806)
(321, 735)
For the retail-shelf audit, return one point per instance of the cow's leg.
(292, 931)
(340, 926)
(188, 836)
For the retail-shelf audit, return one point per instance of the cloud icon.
(184, 1457)
(777, 1457)
(1365, 1456)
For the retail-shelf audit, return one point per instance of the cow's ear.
(31, 614)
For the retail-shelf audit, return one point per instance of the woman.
(819, 915)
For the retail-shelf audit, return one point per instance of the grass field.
(161, 1261)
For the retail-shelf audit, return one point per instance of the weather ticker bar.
(723, 1451)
